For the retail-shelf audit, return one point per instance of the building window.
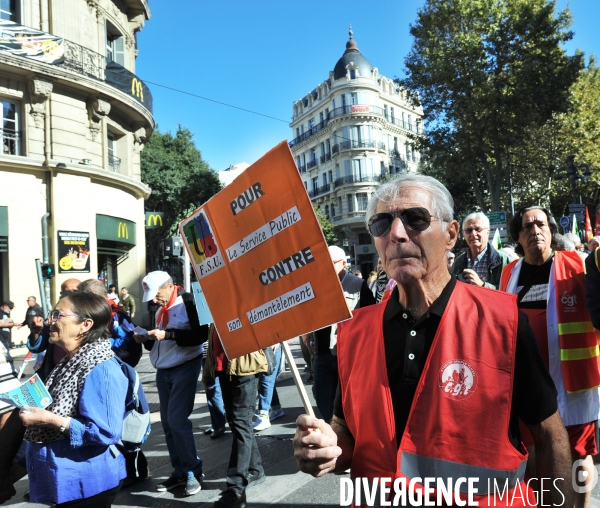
(297, 132)
(392, 115)
(115, 45)
(364, 239)
(407, 152)
(114, 163)
(337, 172)
(352, 74)
(410, 122)
(321, 117)
(315, 184)
(385, 111)
(11, 137)
(350, 199)
(9, 10)
(332, 210)
(298, 161)
(362, 199)
(327, 147)
(326, 210)
(324, 178)
(418, 124)
(330, 176)
(340, 205)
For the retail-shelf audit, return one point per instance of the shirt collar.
(437, 307)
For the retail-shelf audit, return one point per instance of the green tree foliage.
(326, 226)
(541, 162)
(180, 181)
(487, 72)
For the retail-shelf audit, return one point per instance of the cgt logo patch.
(457, 379)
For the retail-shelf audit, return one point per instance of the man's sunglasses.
(416, 218)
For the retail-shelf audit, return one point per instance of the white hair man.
(593, 244)
(481, 264)
(176, 354)
(435, 343)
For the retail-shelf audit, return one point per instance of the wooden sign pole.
(297, 379)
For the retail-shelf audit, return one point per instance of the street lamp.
(575, 174)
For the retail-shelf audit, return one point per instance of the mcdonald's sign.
(115, 229)
(154, 220)
(123, 231)
(137, 89)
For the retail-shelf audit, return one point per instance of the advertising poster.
(23, 41)
(73, 252)
(262, 261)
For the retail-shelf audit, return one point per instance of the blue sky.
(262, 55)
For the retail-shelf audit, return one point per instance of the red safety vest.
(459, 420)
(579, 352)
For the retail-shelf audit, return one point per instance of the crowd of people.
(502, 344)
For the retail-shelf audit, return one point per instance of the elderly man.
(176, 353)
(593, 244)
(433, 381)
(481, 264)
(550, 289)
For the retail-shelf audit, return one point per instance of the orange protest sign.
(260, 256)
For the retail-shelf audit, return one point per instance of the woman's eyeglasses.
(416, 218)
(55, 315)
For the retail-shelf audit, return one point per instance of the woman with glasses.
(69, 457)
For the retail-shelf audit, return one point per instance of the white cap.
(337, 253)
(152, 282)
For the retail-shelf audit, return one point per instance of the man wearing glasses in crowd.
(480, 264)
(450, 369)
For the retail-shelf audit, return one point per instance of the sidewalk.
(285, 485)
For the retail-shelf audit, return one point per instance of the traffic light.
(173, 247)
(48, 270)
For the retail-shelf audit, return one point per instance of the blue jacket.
(82, 465)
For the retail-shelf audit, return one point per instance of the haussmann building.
(74, 120)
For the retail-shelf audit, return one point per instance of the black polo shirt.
(408, 341)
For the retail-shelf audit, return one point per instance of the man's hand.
(132, 315)
(38, 324)
(18, 327)
(156, 334)
(308, 340)
(315, 446)
(471, 277)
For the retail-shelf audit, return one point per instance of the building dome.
(354, 56)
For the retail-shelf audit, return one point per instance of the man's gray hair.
(93, 286)
(442, 203)
(477, 216)
(166, 283)
(574, 238)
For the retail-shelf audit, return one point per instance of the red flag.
(588, 226)
(598, 223)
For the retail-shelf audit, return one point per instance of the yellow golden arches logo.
(154, 220)
(137, 89)
(123, 231)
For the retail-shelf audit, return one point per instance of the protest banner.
(262, 261)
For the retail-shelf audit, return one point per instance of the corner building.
(350, 133)
(75, 118)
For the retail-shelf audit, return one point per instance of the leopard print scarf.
(65, 383)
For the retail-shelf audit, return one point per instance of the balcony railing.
(335, 149)
(311, 164)
(84, 61)
(114, 163)
(318, 191)
(328, 156)
(11, 142)
(322, 159)
(353, 143)
(357, 179)
(312, 130)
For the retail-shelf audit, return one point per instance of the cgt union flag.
(588, 226)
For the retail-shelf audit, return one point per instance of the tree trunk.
(478, 194)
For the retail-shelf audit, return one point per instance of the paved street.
(285, 485)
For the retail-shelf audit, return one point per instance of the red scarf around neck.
(162, 320)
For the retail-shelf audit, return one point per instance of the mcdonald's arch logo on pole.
(154, 220)
(123, 231)
(137, 89)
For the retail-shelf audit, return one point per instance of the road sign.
(496, 217)
(564, 221)
(503, 232)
